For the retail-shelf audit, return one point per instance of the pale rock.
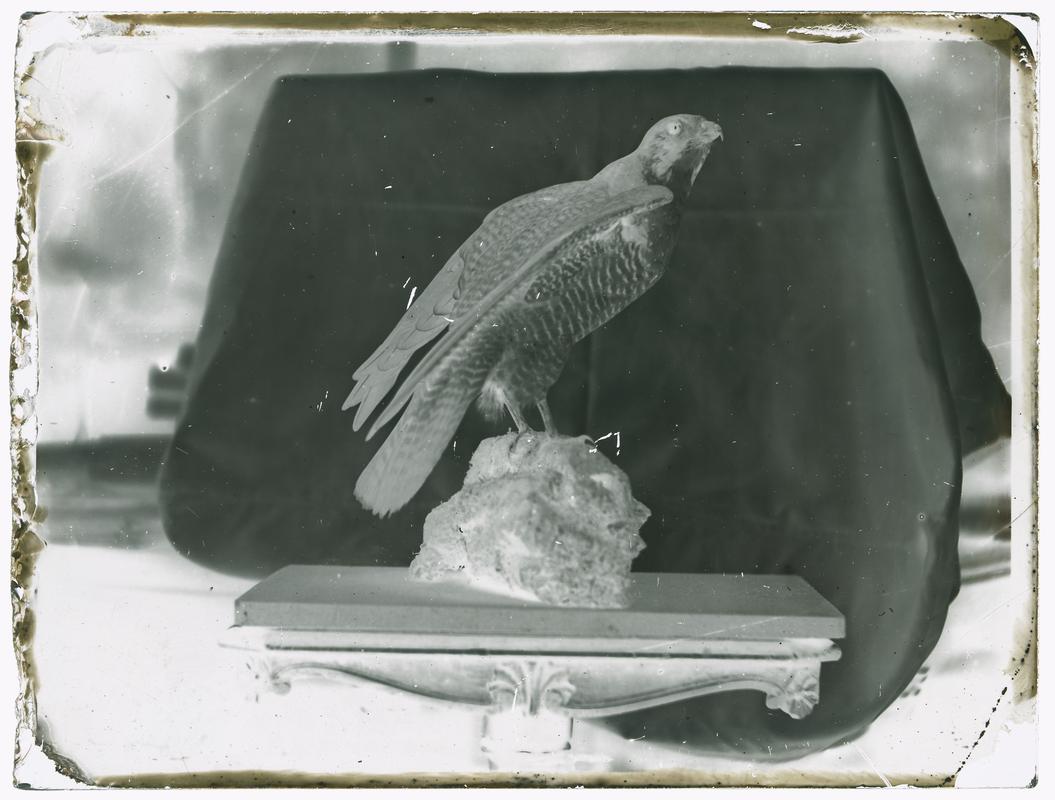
(539, 517)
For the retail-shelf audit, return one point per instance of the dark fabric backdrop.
(794, 396)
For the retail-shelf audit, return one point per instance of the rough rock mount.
(540, 516)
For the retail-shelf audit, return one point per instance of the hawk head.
(675, 148)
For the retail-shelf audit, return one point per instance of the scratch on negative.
(1016, 518)
(740, 627)
(871, 765)
(658, 645)
(618, 440)
(1005, 604)
(186, 120)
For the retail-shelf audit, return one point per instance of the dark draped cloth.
(794, 396)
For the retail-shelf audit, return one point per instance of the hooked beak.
(710, 131)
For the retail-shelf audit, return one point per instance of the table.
(532, 669)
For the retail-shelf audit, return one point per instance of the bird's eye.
(674, 128)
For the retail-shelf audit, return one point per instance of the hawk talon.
(518, 418)
(547, 417)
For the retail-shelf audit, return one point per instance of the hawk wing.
(567, 234)
(438, 306)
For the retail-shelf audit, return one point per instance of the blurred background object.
(168, 385)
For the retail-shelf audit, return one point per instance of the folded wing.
(570, 233)
(435, 308)
(443, 385)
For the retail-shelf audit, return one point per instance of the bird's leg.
(518, 418)
(547, 416)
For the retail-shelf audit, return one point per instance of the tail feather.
(407, 457)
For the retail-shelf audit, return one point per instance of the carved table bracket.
(530, 699)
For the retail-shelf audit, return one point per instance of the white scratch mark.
(762, 26)
(618, 440)
(871, 764)
(187, 119)
(389, 186)
(413, 291)
(659, 645)
(406, 281)
(742, 627)
(1001, 606)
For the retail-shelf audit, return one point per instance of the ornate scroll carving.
(580, 686)
(798, 694)
(530, 685)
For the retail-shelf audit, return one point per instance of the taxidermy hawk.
(542, 272)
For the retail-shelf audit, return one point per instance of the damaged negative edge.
(650, 779)
(824, 27)
(33, 143)
(1020, 688)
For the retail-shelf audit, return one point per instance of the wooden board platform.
(383, 601)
